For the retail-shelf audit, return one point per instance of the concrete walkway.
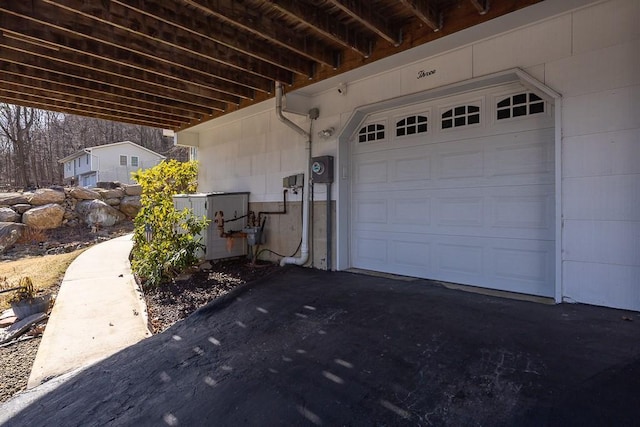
(97, 313)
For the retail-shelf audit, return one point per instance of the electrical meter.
(322, 169)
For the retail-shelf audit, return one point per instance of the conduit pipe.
(304, 246)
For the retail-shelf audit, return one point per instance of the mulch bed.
(173, 301)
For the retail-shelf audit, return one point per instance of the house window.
(123, 160)
(373, 132)
(87, 159)
(69, 166)
(134, 161)
(411, 125)
(521, 104)
(462, 115)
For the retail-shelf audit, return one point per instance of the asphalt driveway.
(307, 347)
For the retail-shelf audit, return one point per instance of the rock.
(44, 217)
(98, 213)
(113, 202)
(45, 196)
(133, 190)
(108, 184)
(21, 207)
(113, 194)
(9, 215)
(10, 232)
(130, 205)
(83, 193)
(7, 199)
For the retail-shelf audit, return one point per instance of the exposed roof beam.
(481, 5)
(249, 20)
(204, 30)
(426, 12)
(160, 40)
(117, 77)
(101, 90)
(362, 11)
(327, 26)
(84, 98)
(87, 103)
(66, 29)
(68, 107)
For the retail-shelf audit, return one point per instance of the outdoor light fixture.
(326, 133)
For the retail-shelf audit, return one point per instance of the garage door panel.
(465, 212)
(523, 266)
(371, 172)
(460, 257)
(370, 252)
(411, 211)
(371, 211)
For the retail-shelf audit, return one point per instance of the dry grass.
(44, 271)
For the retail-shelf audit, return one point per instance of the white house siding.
(106, 160)
(590, 55)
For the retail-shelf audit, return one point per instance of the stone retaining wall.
(56, 207)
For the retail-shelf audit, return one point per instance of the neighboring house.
(504, 156)
(110, 162)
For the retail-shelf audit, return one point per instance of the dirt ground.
(166, 304)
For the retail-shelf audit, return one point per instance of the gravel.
(16, 361)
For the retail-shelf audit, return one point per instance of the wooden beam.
(327, 26)
(156, 39)
(66, 107)
(362, 11)
(88, 88)
(249, 20)
(200, 30)
(34, 58)
(426, 12)
(37, 89)
(481, 5)
(68, 31)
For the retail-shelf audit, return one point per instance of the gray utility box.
(234, 207)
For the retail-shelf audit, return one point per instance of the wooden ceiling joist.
(249, 21)
(426, 12)
(325, 25)
(364, 13)
(176, 63)
(481, 5)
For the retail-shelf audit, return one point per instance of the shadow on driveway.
(307, 347)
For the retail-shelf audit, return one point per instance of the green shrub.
(166, 241)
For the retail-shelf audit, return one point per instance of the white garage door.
(459, 190)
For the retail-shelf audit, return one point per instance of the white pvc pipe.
(304, 246)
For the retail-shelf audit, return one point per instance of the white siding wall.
(106, 160)
(590, 55)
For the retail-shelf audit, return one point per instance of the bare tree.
(16, 123)
(32, 141)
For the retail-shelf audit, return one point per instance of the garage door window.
(373, 132)
(521, 104)
(460, 116)
(411, 125)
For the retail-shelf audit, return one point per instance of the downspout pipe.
(304, 246)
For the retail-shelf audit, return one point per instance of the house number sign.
(425, 73)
